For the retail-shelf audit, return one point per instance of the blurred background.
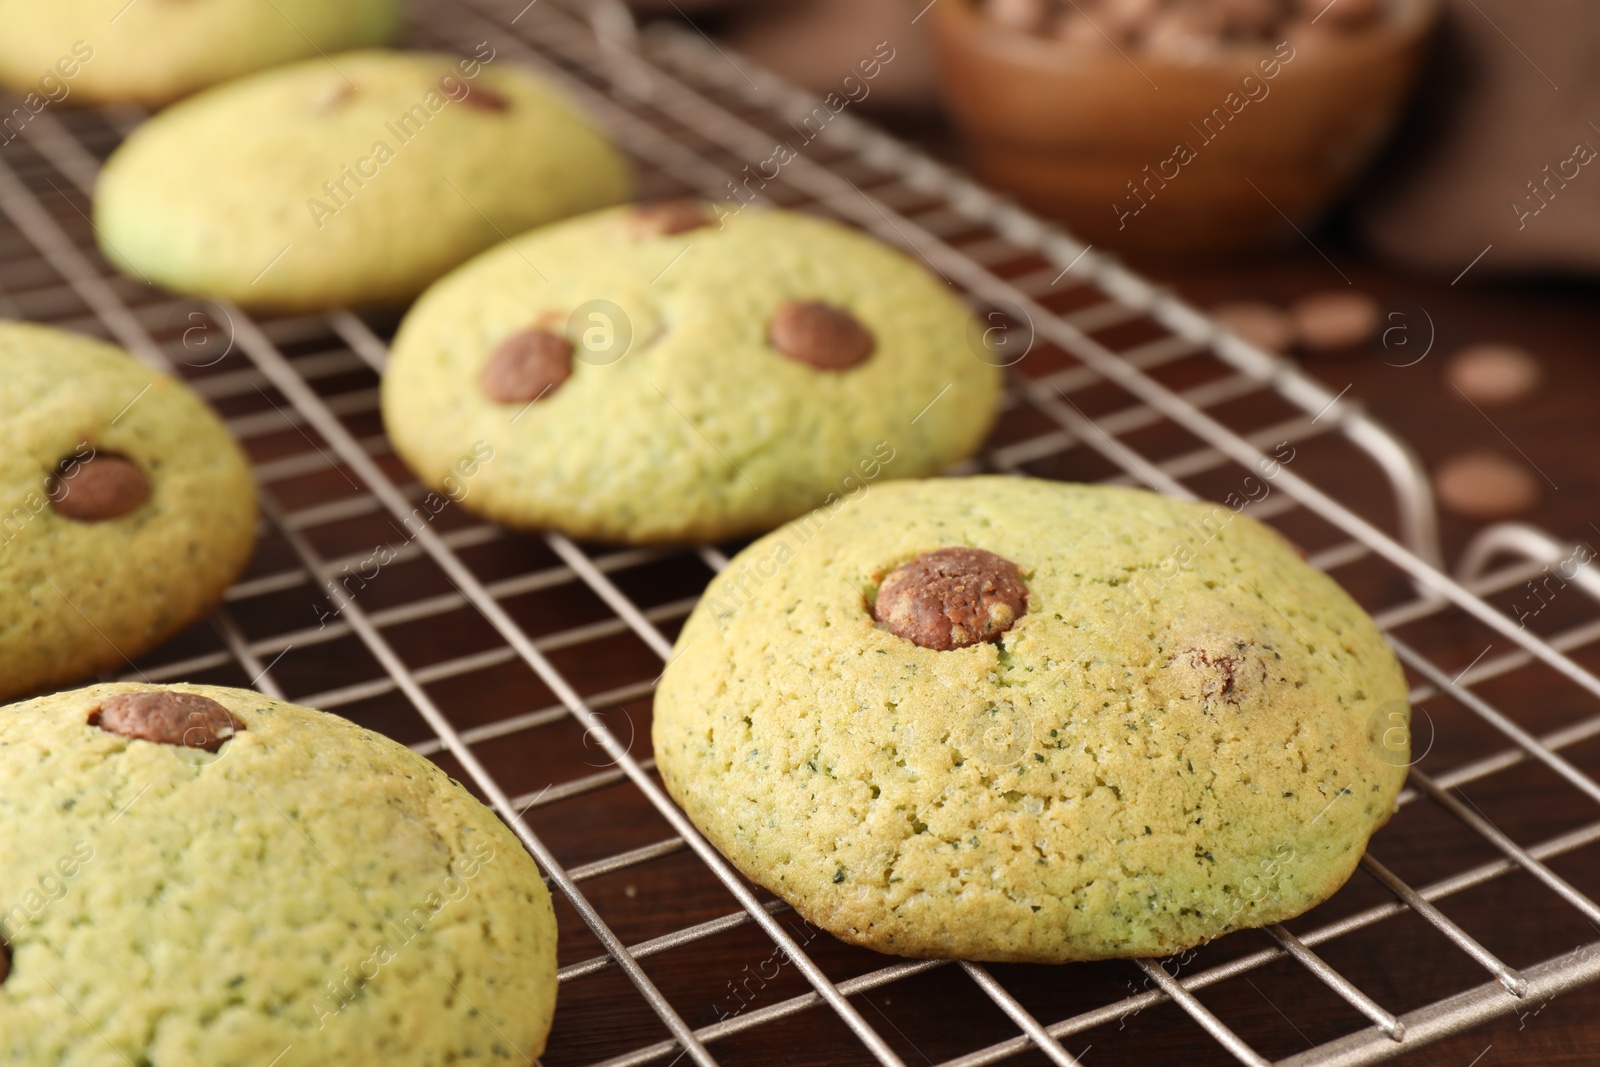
(1397, 195)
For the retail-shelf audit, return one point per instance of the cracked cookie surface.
(1170, 744)
(311, 890)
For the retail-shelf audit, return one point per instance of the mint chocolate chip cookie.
(125, 508)
(193, 876)
(653, 373)
(154, 51)
(1008, 719)
(355, 179)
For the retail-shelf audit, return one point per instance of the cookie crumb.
(186, 720)
(527, 366)
(667, 218)
(104, 486)
(951, 598)
(820, 335)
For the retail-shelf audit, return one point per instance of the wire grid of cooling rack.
(1124, 383)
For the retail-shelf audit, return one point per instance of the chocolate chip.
(1484, 485)
(5, 960)
(821, 335)
(527, 366)
(1258, 322)
(1183, 38)
(951, 598)
(1328, 321)
(664, 218)
(1344, 14)
(101, 487)
(1251, 18)
(1124, 21)
(1230, 674)
(1029, 16)
(186, 720)
(1490, 374)
(481, 97)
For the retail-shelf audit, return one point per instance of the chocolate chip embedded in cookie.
(1230, 672)
(5, 960)
(682, 422)
(187, 720)
(666, 218)
(526, 366)
(117, 587)
(102, 487)
(959, 804)
(187, 864)
(483, 98)
(951, 598)
(819, 334)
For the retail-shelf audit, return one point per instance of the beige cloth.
(1503, 150)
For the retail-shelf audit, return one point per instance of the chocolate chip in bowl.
(1178, 126)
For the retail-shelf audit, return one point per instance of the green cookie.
(656, 374)
(154, 51)
(356, 179)
(1175, 728)
(125, 508)
(194, 876)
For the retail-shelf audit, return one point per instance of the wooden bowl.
(1151, 153)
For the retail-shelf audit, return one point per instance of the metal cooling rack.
(1123, 383)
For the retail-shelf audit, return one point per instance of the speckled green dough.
(702, 430)
(151, 53)
(223, 911)
(77, 597)
(218, 195)
(1091, 786)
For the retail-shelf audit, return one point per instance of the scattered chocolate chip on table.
(1484, 485)
(1494, 374)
